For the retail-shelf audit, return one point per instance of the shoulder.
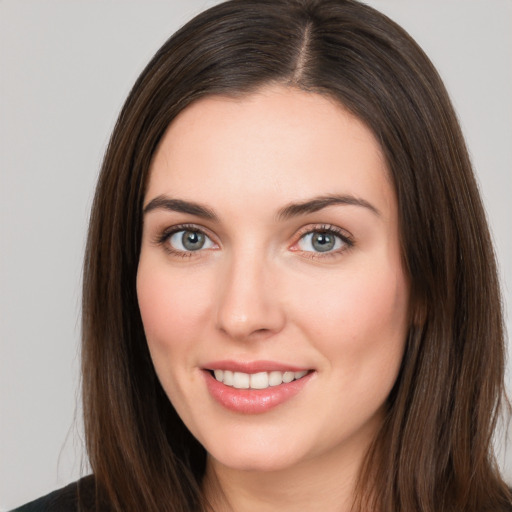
(78, 496)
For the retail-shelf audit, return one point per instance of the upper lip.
(253, 366)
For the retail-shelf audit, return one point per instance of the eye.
(324, 240)
(188, 240)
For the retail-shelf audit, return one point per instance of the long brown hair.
(434, 451)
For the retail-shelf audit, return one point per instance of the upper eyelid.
(327, 228)
(163, 235)
(162, 238)
(298, 233)
(322, 227)
(187, 227)
(347, 239)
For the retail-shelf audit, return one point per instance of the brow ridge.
(291, 210)
(321, 202)
(181, 206)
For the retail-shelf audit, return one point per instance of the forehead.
(278, 143)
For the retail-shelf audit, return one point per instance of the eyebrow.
(178, 205)
(321, 202)
(291, 210)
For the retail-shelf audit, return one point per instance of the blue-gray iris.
(192, 240)
(323, 242)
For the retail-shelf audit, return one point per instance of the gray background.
(65, 68)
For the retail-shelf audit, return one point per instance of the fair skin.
(255, 286)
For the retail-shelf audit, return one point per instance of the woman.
(290, 295)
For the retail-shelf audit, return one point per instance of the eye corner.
(171, 240)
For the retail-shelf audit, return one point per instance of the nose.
(248, 301)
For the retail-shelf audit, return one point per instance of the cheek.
(358, 317)
(173, 306)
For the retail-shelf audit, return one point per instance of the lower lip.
(253, 401)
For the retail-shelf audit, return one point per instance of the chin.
(257, 453)
(263, 462)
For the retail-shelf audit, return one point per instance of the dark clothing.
(80, 496)
(76, 497)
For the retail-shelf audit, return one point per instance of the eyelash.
(327, 229)
(163, 238)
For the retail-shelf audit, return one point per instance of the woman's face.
(271, 252)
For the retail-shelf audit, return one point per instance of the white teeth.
(241, 380)
(288, 377)
(260, 380)
(275, 378)
(228, 378)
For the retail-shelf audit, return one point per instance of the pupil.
(192, 240)
(323, 242)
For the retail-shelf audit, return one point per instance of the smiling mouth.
(260, 380)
